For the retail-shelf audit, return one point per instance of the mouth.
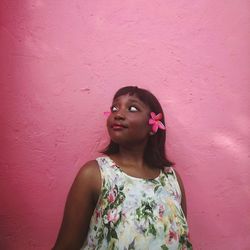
(118, 126)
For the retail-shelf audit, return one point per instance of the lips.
(118, 126)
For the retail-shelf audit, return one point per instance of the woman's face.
(128, 122)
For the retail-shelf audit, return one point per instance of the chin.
(116, 140)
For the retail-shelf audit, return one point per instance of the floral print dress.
(135, 213)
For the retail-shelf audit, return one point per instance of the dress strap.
(171, 174)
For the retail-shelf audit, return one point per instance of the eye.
(113, 108)
(133, 109)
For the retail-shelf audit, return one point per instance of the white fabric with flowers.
(135, 213)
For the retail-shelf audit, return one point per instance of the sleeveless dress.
(135, 213)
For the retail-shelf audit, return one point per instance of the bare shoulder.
(79, 207)
(89, 176)
(89, 169)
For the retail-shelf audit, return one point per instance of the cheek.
(108, 121)
(108, 125)
(141, 125)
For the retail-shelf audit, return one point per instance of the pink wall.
(61, 62)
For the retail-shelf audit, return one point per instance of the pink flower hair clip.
(155, 122)
(106, 113)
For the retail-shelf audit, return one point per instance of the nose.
(119, 115)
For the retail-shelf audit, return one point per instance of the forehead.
(129, 98)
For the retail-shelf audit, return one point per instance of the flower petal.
(158, 117)
(155, 127)
(152, 115)
(107, 113)
(151, 121)
(161, 125)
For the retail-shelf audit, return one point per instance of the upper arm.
(79, 207)
(183, 196)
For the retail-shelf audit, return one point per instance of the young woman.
(130, 198)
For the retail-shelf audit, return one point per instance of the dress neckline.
(130, 176)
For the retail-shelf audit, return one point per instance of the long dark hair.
(154, 153)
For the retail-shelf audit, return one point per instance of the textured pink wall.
(61, 62)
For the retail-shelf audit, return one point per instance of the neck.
(131, 155)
